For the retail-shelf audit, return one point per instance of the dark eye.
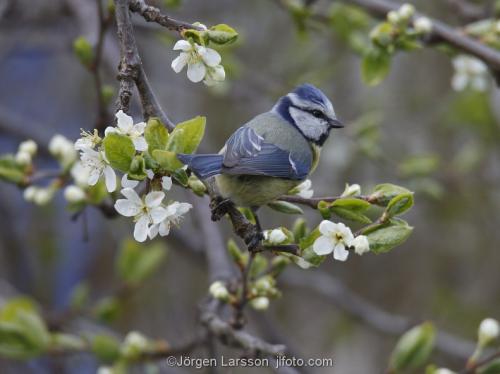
(317, 113)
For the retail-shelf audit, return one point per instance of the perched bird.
(271, 154)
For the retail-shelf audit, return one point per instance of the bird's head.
(310, 111)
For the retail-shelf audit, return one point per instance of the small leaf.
(105, 347)
(108, 309)
(312, 258)
(222, 34)
(156, 135)
(399, 204)
(300, 229)
(385, 237)
(384, 193)
(259, 265)
(136, 263)
(285, 207)
(413, 348)
(375, 66)
(67, 342)
(84, 51)
(350, 208)
(119, 150)
(167, 160)
(350, 215)
(137, 170)
(181, 176)
(187, 135)
(10, 171)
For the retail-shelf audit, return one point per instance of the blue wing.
(247, 153)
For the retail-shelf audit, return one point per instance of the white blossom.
(423, 25)
(63, 150)
(125, 126)
(80, 174)
(260, 303)
(134, 343)
(23, 158)
(202, 62)
(406, 11)
(29, 193)
(444, 371)
(275, 236)
(104, 370)
(147, 213)
(360, 244)
(393, 17)
(218, 290)
(488, 331)
(470, 72)
(174, 213)
(351, 190)
(128, 183)
(96, 165)
(74, 194)
(335, 237)
(304, 189)
(38, 195)
(28, 146)
(88, 140)
(166, 183)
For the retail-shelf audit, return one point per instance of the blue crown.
(310, 93)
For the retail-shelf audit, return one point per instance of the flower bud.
(196, 185)
(351, 190)
(443, 371)
(488, 331)
(219, 291)
(42, 196)
(104, 370)
(361, 244)
(264, 284)
(393, 17)
(406, 11)
(62, 149)
(29, 193)
(276, 236)
(23, 158)
(260, 303)
(413, 348)
(134, 344)
(423, 25)
(74, 194)
(28, 146)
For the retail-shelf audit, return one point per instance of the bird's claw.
(219, 207)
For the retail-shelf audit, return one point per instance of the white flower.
(134, 343)
(74, 194)
(351, 190)
(28, 146)
(88, 140)
(393, 17)
(125, 126)
(23, 158)
(335, 237)
(202, 62)
(423, 25)
(304, 189)
(275, 236)
(29, 193)
(488, 331)
(146, 213)
(260, 303)
(218, 290)
(42, 196)
(469, 72)
(444, 371)
(96, 165)
(361, 244)
(104, 370)
(174, 214)
(80, 174)
(406, 11)
(62, 149)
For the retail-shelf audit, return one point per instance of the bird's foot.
(219, 207)
(254, 240)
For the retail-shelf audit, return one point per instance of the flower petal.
(340, 253)
(141, 229)
(210, 56)
(94, 175)
(153, 231)
(164, 228)
(179, 62)
(131, 195)
(140, 144)
(196, 72)
(110, 130)
(327, 227)
(139, 127)
(154, 198)
(128, 183)
(127, 208)
(124, 121)
(158, 214)
(323, 246)
(110, 178)
(183, 45)
(166, 183)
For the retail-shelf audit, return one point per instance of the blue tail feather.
(204, 166)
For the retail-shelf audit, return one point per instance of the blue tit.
(272, 153)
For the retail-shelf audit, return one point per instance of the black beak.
(335, 124)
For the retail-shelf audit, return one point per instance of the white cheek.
(310, 126)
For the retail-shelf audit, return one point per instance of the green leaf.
(10, 171)
(222, 34)
(285, 207)
(186, 136)
(413, 348)
(108, 309)
(259, 265)
(385, 237)
(181, 176)
(350, 208)
(79, 296)
(137, 169)
(375, 66)
(84, 51)
(105, 347)
(135, 263)
(167, 160)
(156, 135)
(309, 240)
(399, 204)
(119, 150)
(67, 342)
(384, 193)
(350, 215)
(300, 229)
(311, 257)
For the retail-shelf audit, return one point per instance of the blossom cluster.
(338, 238)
